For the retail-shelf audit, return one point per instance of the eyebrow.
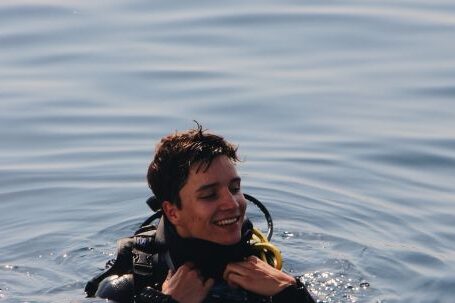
(215, 184)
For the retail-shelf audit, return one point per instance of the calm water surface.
(343, 112)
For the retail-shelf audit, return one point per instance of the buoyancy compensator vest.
(144, 259)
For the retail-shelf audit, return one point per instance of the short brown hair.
(174, 156)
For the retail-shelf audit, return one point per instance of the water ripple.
(343, 111)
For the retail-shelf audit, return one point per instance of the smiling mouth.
(227, 221)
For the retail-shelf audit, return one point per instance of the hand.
(257, 276)
(186, 285)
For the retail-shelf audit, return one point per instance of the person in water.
(201, 250)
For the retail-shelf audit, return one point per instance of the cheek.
(202, 216)
(242, 204)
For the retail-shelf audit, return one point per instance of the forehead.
(222, 168)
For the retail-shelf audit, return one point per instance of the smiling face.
(212, 204)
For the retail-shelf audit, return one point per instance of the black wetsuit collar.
(210, 258)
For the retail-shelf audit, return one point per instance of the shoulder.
(118, 288)
(117, 280)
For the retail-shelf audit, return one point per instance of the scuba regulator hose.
(267, 252)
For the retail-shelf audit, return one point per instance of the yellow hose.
(265, 249)
(259, 234)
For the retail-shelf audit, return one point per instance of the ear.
(171, 212)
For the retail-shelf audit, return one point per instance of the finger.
(225, 274)
(230, 283)
(253, 262)
(235, 270)
(190, 265)
(238, 268)
(237, 280)
(170, 273)
(248, 264)
(187, 267)
(253, 259)
(230, 268)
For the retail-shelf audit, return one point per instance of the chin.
(231, 235)
(229, 240)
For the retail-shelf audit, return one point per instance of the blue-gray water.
(343, 112)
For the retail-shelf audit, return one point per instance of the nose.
(229, 201)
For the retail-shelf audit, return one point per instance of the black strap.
(266, 213)
(147, 264)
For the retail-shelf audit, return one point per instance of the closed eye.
(234, 189)
(235, 186)
(209, 197)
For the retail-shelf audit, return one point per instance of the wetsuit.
(143, 261)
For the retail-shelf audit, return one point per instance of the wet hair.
(175, 155)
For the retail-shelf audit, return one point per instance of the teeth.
(226, 221)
